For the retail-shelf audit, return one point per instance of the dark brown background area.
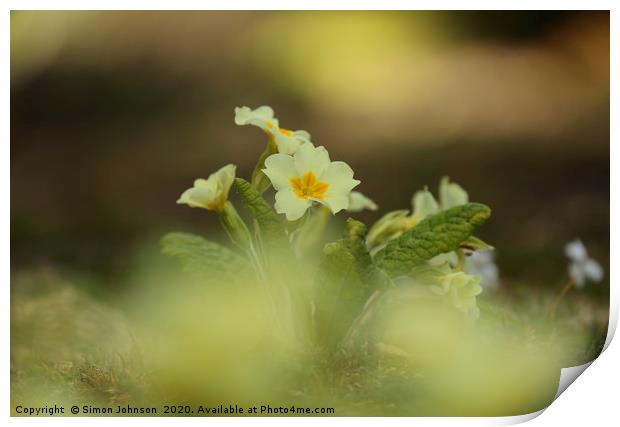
(113, 114)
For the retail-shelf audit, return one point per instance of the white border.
(567, 411)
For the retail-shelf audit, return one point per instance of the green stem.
(567, 286)
(259, 180)
(235, 227)
(460, 266)
(310, 232)
(359, 322)
(264, 285)
(240, 235)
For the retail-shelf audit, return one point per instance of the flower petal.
(593, 270)
(472, 289)
(291, 205)
(339, 177)
(358, 202)
(309, 158)
(225, 177)
(302, 135)
(280, 168)
(287, 144)
(211, 193)
(261, 117)
(576, 251)
(577, 274)
(199, 196)
(451, 194)
(424, 204)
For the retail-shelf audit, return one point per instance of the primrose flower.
(424, 204)
(451, 194)
(461, 289)
(286, 141)
(261, 117)
(309, 176)
(358, 202)
(210, 193)
(582, 268)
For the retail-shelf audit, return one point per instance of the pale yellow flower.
(359, 202)
(309, 176)
(287, 141)
(451, 194)
(210, 193)
(461, 290)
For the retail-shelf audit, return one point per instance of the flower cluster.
(303, 175)
(286, 141)
(418, 251)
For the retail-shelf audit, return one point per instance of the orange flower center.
(284, 132)
(308, 187)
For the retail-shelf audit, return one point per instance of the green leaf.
(354, 241)
(259, 180)
(387, 227)
(340, 293)
(345, 279)
(272, 233)
(199, 255)
(475, 244)
(435, 235)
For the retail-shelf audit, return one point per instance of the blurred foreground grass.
(172, 338)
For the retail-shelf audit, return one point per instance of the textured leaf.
(272, 232)
(345, 279)
(436, 234)
(199, 255)
(355, 242)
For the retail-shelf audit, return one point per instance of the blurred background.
(114, 114)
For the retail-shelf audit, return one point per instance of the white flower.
(286, 141)
(482, 264)
(358, 202)
(581, 267)
(309, 176)
(211, 193)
